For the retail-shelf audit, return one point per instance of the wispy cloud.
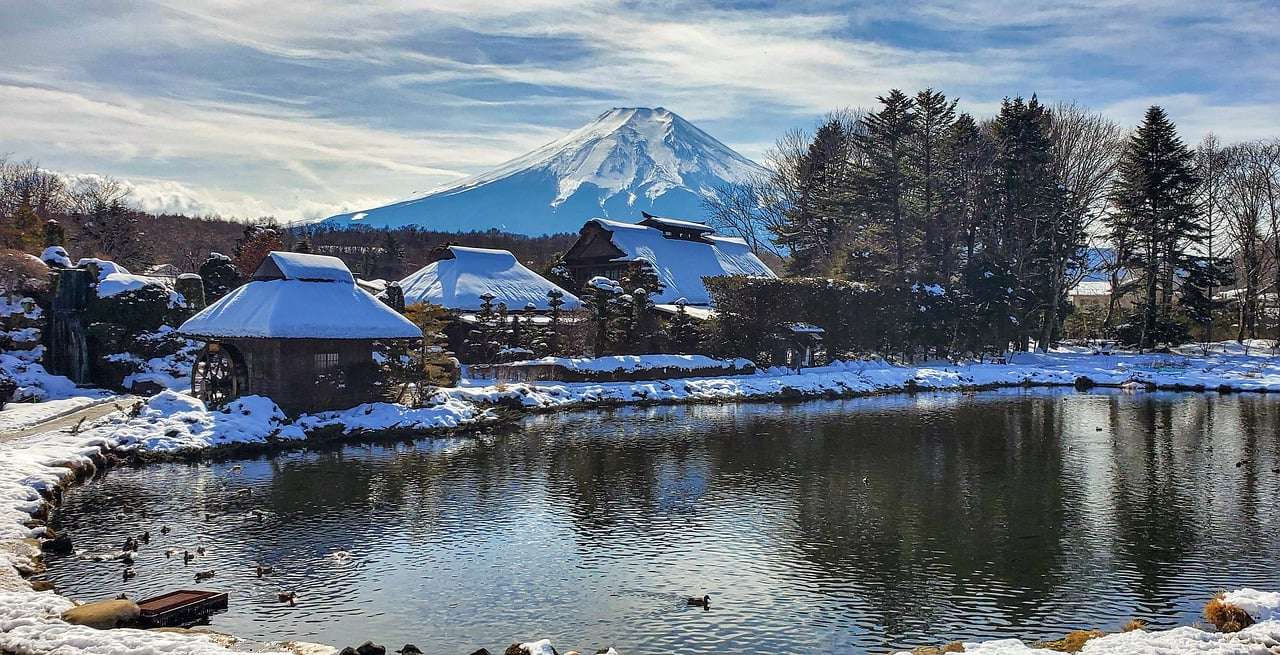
(242, 108)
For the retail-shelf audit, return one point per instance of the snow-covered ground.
(1257, 371)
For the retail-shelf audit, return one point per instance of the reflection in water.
(843, 526)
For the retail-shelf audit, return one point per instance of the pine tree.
(1203, 274)
(1027, 236)
(819, 213)
(555, 300)
(935, 116)
(220, 276)
(885, 182)
(1154, 198)
(682, 331)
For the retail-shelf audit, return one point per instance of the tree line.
(1007, 214)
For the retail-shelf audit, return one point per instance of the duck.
(127, 557)
(199, 550)
(169, 553)
(187, 557)
(204, 575)
(146, 537)
(129, 573)
(287, 596)
(263, 570)
(130, 544)
(703, 602)
(164, 529)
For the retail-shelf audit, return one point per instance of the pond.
(838, 526)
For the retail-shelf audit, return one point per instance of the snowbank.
(1261, 638)
(21, 416)
(1237, 372)
(619, 363)
(446, 412)
(35, 384)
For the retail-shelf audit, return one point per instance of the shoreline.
(65, 459)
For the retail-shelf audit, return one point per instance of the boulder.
(370, 648)
(59, 545)
(482, 651)
(104, 615)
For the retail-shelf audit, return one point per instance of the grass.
(1226, 617)
(1073, 642)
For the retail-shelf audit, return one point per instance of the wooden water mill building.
(299, 332)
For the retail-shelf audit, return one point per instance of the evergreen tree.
(1154, 200)
(555, 300)
(1203, 274)
(598, 297)
(682, 331)
(1027, 237)
(219, 275)
(885, 183)
(819, 213)
(930, 164)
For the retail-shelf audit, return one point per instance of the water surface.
(844, 526)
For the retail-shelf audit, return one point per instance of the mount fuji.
(626, 161)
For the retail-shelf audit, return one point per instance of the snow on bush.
(171, 422)
(618, 363)
(56, 256)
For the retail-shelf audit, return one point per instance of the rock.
(515, 649)
(409, 649)
(41, 585)
(482, 651)
(1083, 383)
(370, 648)
(104, 615)
(59, 545)
(348, 651)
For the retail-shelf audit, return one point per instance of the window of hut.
(326, 362)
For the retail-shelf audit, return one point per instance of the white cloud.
(244, 108)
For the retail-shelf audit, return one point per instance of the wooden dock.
(182, 608)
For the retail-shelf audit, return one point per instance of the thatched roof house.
(680, 252)
(300, 332)
(457, 277)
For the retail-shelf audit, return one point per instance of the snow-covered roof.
(661, 222)
(315, 299)
(458, 281)
(680, 263)
(1091, 288)
(303, 266)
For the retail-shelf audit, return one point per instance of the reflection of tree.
(906, 507)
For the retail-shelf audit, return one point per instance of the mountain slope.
(625, 161)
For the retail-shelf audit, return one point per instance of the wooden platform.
(182, 608)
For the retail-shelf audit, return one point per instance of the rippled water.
(845, 526)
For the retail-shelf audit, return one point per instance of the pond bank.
(170, 424)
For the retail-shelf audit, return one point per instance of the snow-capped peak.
(634, 149)
(626, 160)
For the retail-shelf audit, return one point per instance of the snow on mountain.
(625, 161)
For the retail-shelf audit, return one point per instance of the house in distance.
(458, 278)
(680, 252)
(299, 332)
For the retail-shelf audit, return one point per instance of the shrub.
(1226, 617)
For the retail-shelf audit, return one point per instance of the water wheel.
(216, 375)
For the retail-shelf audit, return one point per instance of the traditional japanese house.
(459, 278)
(681, 253)
(299, 332)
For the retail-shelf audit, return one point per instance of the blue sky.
(250, 108)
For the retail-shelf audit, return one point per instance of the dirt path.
(69, 421)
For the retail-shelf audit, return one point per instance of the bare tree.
(751, 210)
(1244, 206)
(1211, 165)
